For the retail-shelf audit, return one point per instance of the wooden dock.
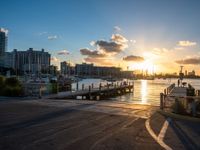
(178, 92)
(96, 93)
(182, 94)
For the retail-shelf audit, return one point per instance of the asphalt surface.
(83, 125)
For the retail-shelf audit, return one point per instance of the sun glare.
(144, 91)
(144, 66)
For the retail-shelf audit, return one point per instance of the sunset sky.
(156, 35)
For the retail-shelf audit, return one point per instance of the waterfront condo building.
(84, 69)
(97, 71)
(29, 61)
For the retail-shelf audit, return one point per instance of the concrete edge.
(179, 117)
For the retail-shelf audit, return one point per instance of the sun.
(147, 65)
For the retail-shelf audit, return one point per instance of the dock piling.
(161, 100)
(92, 85)
(77, 86)
(82, 87)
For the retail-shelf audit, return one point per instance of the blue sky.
(72, 25)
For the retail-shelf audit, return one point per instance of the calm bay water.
(145, 91)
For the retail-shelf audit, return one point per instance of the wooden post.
(92, 85)
(77, 86)
(90, 92)
(197, 92)
(82, 87)
(161, 100)
(165, 91)
(89, 88)
(176, 105)
(194, 108)
(40, 92)
(100, 86)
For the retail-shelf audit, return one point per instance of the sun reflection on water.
(144, 91)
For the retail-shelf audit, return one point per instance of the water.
(145, 91)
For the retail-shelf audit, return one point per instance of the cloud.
(52, 37)
(99, 61)
(186, 43)
(117, 28)
(178, 48)
(92, 43)
(189, 61)
(104, 49)
(91, 53)
(133, 58)
(54, 59)
(63, 52)
(4, 30)
(133, 41)
(42, 33)
(117, 44)
(110, 47)
(158, 51)
(118, 38)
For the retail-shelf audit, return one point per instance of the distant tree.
(1, 84)
(13, 81)
(10, 87)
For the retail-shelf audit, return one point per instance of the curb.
(179, 117)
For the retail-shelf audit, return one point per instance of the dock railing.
(169, 89)
(100, 86)
(189, 105)
(98, 92)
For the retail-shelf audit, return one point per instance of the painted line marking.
(158, 139)
(164, 129)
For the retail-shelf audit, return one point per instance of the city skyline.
(129, 34)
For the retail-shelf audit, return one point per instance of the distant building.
(127, 74)
(84, 69)
(53, 70)
(192, 73)
(3, 45)
(106, 71)
(9, 60)
(96, 71)
(28, 62)
(65, 68)
(186, 73)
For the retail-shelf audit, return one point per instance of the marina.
(145, 91)
(102, 92)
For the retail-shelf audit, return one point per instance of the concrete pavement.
(77, 124)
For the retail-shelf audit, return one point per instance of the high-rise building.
(53, 70)
(65, 68)
(3, 45)
(29, 62)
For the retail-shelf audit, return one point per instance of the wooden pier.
(178, 92)
(185, 98)
(99, 93)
